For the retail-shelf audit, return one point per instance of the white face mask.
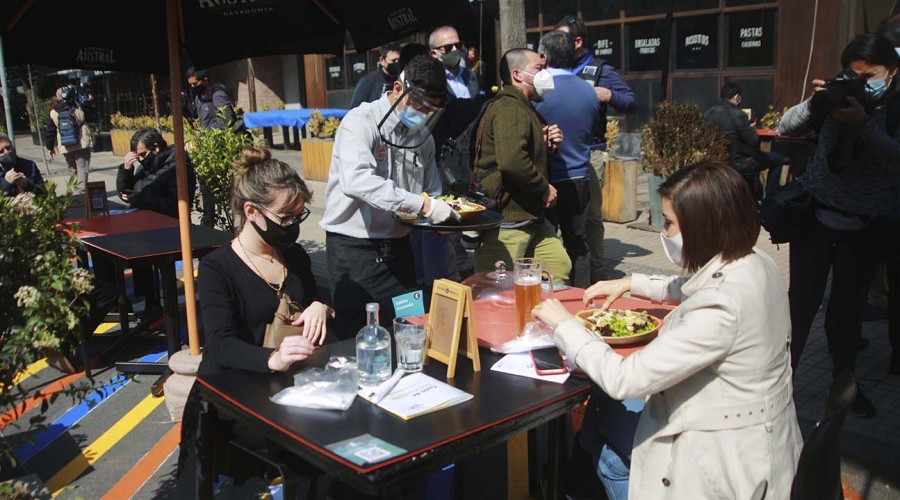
(542, 82)
(672, 247)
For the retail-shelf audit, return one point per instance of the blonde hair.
(259, 175)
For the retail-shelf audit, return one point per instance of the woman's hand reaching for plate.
(612, 290)
(552, 312)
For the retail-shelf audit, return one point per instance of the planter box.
(620, 190)
(121, 140)
(316, 155)
(102, 142)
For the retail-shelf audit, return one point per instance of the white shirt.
(457, 84)
(369, 180)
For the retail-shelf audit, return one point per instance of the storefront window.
(647, 94)
(682, 5)
(606, 43)
(532, 8)
(334, 69)
(645, 46)
(596, 10)
(697, 42)
(532, 39)
(751, 38)
(555, 10)
(704, 92)
(757, 92)
(356, 63)
(732, 3)
(645, 7)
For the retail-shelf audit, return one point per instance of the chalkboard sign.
(751, 38)
(449, 323)
(645, 46)
(95, 201)
(697, 42)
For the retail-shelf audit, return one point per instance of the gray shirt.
(369, 181)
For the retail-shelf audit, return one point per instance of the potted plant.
(674, 138)
(211, 153)
(620, 180)
(316, 151)
(44, 297)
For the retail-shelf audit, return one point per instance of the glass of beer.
(527, 275)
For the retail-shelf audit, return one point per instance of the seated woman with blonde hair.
(719, 419)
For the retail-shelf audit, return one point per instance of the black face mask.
(8, 160)
(393, 70)
(278, 236)
(198, 90)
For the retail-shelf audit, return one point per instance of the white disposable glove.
(441, 211)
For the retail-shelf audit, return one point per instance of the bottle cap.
(372, 307)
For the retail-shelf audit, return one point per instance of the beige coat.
(87, 139)
(719, 421)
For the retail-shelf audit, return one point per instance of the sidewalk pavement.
(871, 447)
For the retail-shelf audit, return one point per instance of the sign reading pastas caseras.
(751, 38)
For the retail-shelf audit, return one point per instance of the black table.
(504, 406)
(160, 248)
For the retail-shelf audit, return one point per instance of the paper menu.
(418, 394)
(522, 365)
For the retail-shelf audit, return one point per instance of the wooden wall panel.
(795, 24)
(314, 72)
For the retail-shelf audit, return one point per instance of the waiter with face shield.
(383, 162)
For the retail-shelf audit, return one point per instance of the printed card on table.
(365, 449)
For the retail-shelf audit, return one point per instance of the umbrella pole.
(184, 203)
(7, 110)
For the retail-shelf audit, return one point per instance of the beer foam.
(528, 280)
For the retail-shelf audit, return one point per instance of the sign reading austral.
(239, 7)
(96, 56)
(402, 19)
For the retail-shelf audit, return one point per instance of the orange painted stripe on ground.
(35, 401)
(143, 470)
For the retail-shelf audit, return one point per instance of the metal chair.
(818, 474)
(290, 476)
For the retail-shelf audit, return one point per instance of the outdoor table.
(796, 150)
(294, 119)
(503, 406)
(139, 237)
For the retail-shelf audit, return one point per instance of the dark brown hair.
(716, 212)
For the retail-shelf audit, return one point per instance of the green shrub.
(42, 292)
(679, 136)
(211, 153)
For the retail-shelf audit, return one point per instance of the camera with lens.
(836, 91)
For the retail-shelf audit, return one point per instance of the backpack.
(69, 128)
(456, 161)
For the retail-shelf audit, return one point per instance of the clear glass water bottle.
(373, 350)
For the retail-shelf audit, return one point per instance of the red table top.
(142, 220)
(495, 319)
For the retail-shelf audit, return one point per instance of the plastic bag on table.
(537, 334)
(333, 387)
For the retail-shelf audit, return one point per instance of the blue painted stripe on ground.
(60, 426)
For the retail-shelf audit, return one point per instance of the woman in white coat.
(719, 420)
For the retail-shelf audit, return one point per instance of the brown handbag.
(281, 326)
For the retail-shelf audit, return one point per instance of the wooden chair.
(818, 474)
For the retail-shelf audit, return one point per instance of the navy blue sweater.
(572, 105)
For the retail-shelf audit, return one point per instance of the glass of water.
(410, 341)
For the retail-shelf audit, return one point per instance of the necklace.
(259, 273)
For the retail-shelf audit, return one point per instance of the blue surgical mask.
(876, 88)
(413, 118)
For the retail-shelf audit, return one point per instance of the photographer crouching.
(854, 180)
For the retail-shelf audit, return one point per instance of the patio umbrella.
(148, 36)
(373, 23)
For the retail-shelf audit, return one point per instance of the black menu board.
(606, 43)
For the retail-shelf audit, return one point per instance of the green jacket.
(513, 157)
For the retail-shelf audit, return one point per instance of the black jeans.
(364, 271)
(892, 258)
(852, 257)
(570, 215)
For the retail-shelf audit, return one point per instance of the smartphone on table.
(548, 361)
